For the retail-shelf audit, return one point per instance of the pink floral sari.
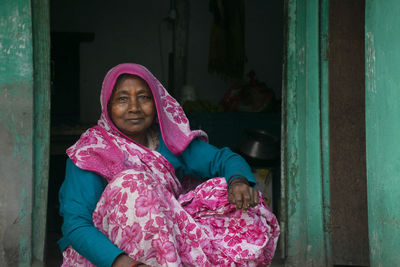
(143, 211)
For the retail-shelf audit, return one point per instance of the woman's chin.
(136, 135)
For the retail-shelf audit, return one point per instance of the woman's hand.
(242, 195)
(124, 260)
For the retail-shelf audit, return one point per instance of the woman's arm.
(78, 197)
(205, 161)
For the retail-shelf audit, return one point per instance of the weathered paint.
(41, 58)
(16, 130)
(324, 106)
(306, 239)
(282, 242)
(382, 22)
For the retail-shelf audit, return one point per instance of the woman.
(123, 204)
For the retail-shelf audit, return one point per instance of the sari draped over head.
(142, 209)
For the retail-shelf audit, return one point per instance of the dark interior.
(81, 56)
(348, 185)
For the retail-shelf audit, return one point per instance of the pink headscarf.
(174, 125)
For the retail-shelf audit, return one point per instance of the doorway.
(86, 43)
(348, 177)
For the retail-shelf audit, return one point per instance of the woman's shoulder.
(90, 137)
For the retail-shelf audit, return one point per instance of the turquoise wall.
(24, 130)
(382, 42)
(16, 132)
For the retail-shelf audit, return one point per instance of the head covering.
(105, 150)
(174, 125)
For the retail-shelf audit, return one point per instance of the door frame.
(382, 110)
(305, 135)
(305, 132)
(41, 122)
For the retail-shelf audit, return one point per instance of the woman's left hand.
(242, 195)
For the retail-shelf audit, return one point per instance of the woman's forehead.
(129, 80)
(126, 76)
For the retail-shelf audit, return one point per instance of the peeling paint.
(293, 175)
(305, 210)
(12, 97)
(301, 57)
(16, 124)
(391, 221)
(382, 130)
(374, 241)
(17, 41)
(370, 63)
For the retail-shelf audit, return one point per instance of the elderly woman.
(123, 204)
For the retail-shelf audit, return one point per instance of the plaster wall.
(16, 131)
(134, 31)
(9, 201)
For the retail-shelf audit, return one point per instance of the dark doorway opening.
(348, 188)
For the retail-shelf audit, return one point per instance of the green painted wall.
(24, 130)
(305, 88)
(16, 132)
(383, 129)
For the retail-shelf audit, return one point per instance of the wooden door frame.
(382, 92)
(305, 135)
(41, 122)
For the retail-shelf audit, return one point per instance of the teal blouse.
(82, 189)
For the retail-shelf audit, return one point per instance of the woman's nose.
(134, 105)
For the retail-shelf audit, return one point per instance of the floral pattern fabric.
(143, 213)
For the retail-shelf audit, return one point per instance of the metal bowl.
(259, 145)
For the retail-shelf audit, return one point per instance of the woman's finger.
(239, 202)
(244, 191)
(254, 197)
(236, 192)
(231, 199)
(247, 198)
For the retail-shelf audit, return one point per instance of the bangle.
(237, 179)
(233, 177)
(136, 264)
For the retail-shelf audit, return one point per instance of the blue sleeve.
(78, 197)
(207, 161)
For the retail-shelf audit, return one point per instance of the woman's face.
(132, 108)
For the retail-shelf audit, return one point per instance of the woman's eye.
(122, 98)
(144, 97)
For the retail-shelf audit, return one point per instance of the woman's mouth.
(135, 120)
